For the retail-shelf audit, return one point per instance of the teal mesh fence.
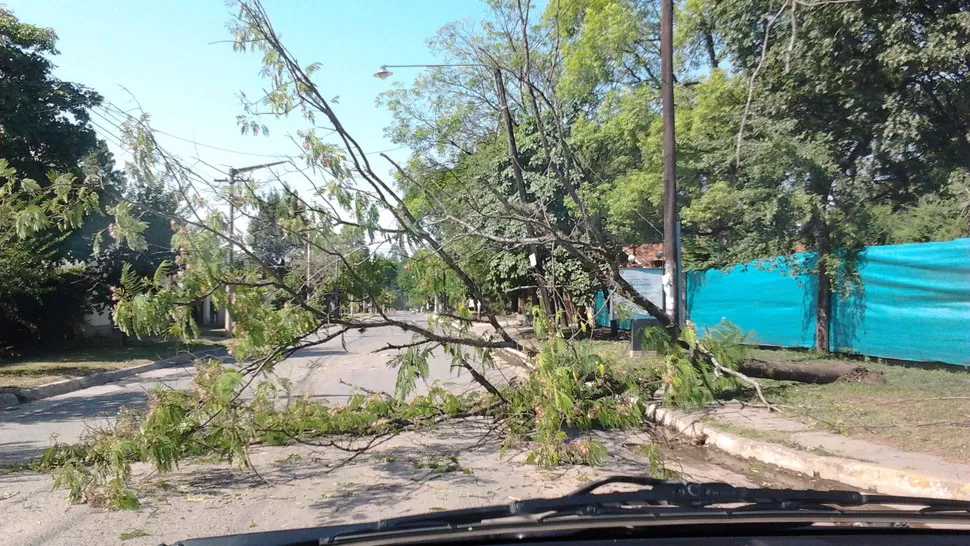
(911, 302)
(766, 299)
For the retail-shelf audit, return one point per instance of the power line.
(190, 141)
(195, 142)
(386, 151)
(106, 133)
(210, 146)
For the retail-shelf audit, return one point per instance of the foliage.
(45, 119)
(211, 419)
(873, 95)
(931, 218)
(424, 278)
(582, 180)
(572, 391)
(30, 288)
(133, 533)
(54, 174)
(268, 239)
(688, 384)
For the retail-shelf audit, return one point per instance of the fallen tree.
(808, 372)
(350, 209)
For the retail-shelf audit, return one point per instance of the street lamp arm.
(432, 65)
(256, 167)
(384, 73)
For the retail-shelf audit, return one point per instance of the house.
(206, 313)
(644, 255)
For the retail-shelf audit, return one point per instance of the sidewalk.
(65, 386)
(771, 438)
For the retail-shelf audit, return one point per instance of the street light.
(384, 73)
(544, 301)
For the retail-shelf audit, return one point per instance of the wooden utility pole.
(232, 212)
(232, 224)
(672, 267)
(232, 234)
(544, 302)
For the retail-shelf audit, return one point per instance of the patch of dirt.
(302, 486)
(866, 376)
(688, 452)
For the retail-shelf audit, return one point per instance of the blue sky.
(163, 53)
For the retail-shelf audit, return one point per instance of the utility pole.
(232, 216)
(232, 225)
(544, 301)
(671, 245)
(230, 290)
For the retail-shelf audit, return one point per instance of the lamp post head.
(383, 73)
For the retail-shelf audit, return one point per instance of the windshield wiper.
(656, 496)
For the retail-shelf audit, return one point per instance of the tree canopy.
(56, 180)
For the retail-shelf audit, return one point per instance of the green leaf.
(30, 185)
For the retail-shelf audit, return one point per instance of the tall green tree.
(45, 145)
(44, 120)
(871, 97)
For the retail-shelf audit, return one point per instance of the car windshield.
(272, 265)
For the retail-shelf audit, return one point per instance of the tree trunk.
(808, 372)
(823, 294)
(823, 306)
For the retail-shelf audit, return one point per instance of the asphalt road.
(325, 371)
(302, 485)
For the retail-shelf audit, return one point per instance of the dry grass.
(619, 353)
(49, 366)
(920, 410)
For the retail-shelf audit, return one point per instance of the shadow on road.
(342, 483)
(17, 452)
(74, 409)
(318, 352)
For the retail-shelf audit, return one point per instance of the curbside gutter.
(518, 358)
(858, 474)
(64, 386)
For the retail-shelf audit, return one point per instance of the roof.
(644, 255)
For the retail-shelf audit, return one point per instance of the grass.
(791, 355)
(919, 410)
(52, 365)
(619, 353)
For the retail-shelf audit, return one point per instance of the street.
(325, 371)
(458, 464)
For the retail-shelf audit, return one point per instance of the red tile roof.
(644, 255)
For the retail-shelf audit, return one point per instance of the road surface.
(300, 485)
(324, 371)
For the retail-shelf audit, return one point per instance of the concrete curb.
(521, 358)
(9, 399)
(858, 474)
